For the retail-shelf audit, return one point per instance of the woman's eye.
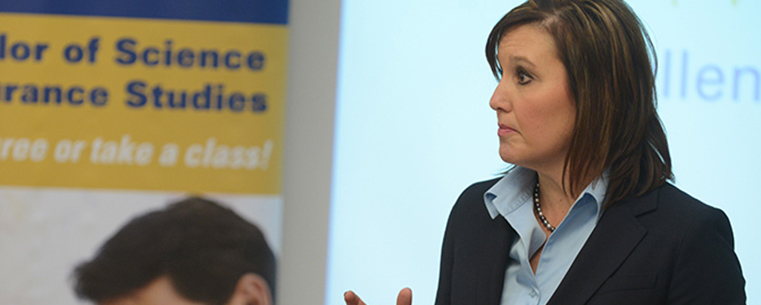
(523, 78)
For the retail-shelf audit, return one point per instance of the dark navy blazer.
(663, 247)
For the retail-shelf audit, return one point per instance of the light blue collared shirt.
(512, 197)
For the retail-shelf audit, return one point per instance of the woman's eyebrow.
(521, 60)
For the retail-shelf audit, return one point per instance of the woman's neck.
(555, 192)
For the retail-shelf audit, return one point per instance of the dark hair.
(607, 54)
(202, 247)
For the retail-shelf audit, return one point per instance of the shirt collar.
(517, 186)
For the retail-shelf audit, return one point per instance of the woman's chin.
(507, 156)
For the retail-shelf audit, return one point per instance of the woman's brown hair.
(610, 63)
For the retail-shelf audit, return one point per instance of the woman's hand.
(404, 298)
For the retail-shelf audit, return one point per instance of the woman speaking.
(586, 215)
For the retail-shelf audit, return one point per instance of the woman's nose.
(500, 99)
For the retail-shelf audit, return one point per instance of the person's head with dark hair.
(191, 252)
(608, 63)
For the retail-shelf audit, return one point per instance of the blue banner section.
(250, 11)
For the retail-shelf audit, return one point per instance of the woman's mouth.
(503, 130)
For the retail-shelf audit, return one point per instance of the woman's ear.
(251, 289)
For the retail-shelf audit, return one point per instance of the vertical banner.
(111, 110)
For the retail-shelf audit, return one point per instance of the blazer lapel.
(614, 237)
(493, 262)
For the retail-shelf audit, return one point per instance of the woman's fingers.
(405, 297)
(351, 298)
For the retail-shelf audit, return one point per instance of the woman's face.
(535, 108)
